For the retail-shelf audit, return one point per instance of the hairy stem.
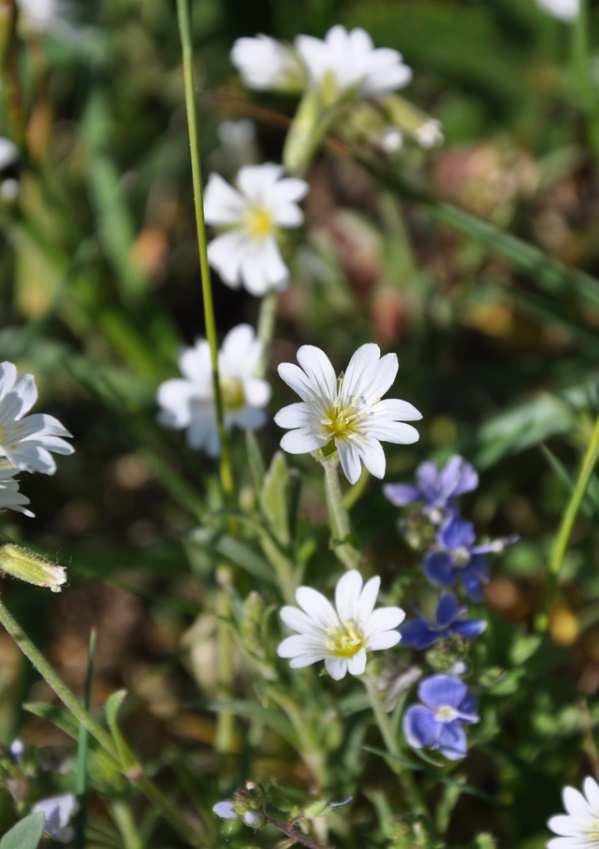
(338, 515)
(266, 325)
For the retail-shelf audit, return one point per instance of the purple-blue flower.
(458, 558)
(436, 488)
(437, 723)
(421, 633)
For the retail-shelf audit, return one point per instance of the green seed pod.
(31, 567)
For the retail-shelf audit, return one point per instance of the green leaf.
(523, 647)
(26, 834)
(255, 460)
(112, 708)
(274, 497)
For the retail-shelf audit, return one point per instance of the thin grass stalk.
(226, 470)
(83, 748)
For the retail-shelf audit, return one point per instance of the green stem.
(338, 515)
(266, 325)
(226, 471)
(126, 825)
(225, 726)
(408, 784)
(100, 734)
(581, 72)
(353, 495)
(569, 517)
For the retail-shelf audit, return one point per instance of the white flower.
(189, 402)
(353, 62)
(58, 812)
(266, 64)
(41, 16)
(565, 10)
(348, 412)
(9, 153)
(429, 134)
(392, 140)
(579, 827)
(340, 635)
(264, 201)
(27, 442)
(10, 496)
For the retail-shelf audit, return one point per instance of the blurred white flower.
(27, 442)
(429, 134)
(58, 812)
(353, 62)
(340, 635)
(188, 402)
(349, 58)
(9, 153)
(266, 64)
(578, 828)
(237, 145)
(392, 140)
(10, 496)
(263, 201)
(347, 411)
(40, 16)
(565, 10)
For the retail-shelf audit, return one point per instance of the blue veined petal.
(452, 741)
(457, 533)
(401, 494)
(420, 727)
(469, 628)
(439, 690)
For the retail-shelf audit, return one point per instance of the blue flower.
(437, 723)
(457, 557)
(436, 488)
(421, 633)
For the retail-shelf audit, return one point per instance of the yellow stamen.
(346, 640)
(259, 223)
(233, 394)
(340, 422)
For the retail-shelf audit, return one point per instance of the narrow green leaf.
(274, 497)
(255, 460)
(26, 834)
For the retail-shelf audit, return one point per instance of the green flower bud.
(31, 567)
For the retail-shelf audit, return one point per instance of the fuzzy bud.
(31, 567)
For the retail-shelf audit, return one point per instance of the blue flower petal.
(439, 568)
(459, 477)
(457, 533)
(420, 727)
(469, 628)
(417, 634)
(452, 741)
(441, 690)
(447, 610)
(401, 494)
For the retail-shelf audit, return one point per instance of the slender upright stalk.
(408, 785)
(569, 517)
(225, 726)
(226, 471)
(338, 515)
(100, 734)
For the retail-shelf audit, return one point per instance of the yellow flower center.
(340, 422)
(346, 640)
(233, 394)
(592, 833)
(461, 557)
(259, 223)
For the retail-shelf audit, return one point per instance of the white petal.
(368, 598)
(384, 619)
(357, 664)
(305, 660)
(226, 254)
(336, 667)
(396, 432)
(256, 180)
(384, 376)
(293, 415)
(299, 644)
(347, 595)
(175, 397)
(373, 457)
(564, 843)
(350, 460)
(195, 366)
(383, 640)
(297, 380)
(297, 620)
(575, 803)
(319, 371)
(360, 372)
(401, 411)
(301, 442)
(8, 376)
(563, 825)
(317, 606)
(257, 392)
(26, 389)
(222, 203)
(591, 791)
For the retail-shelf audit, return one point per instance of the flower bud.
(31, 567)
(426, 131)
